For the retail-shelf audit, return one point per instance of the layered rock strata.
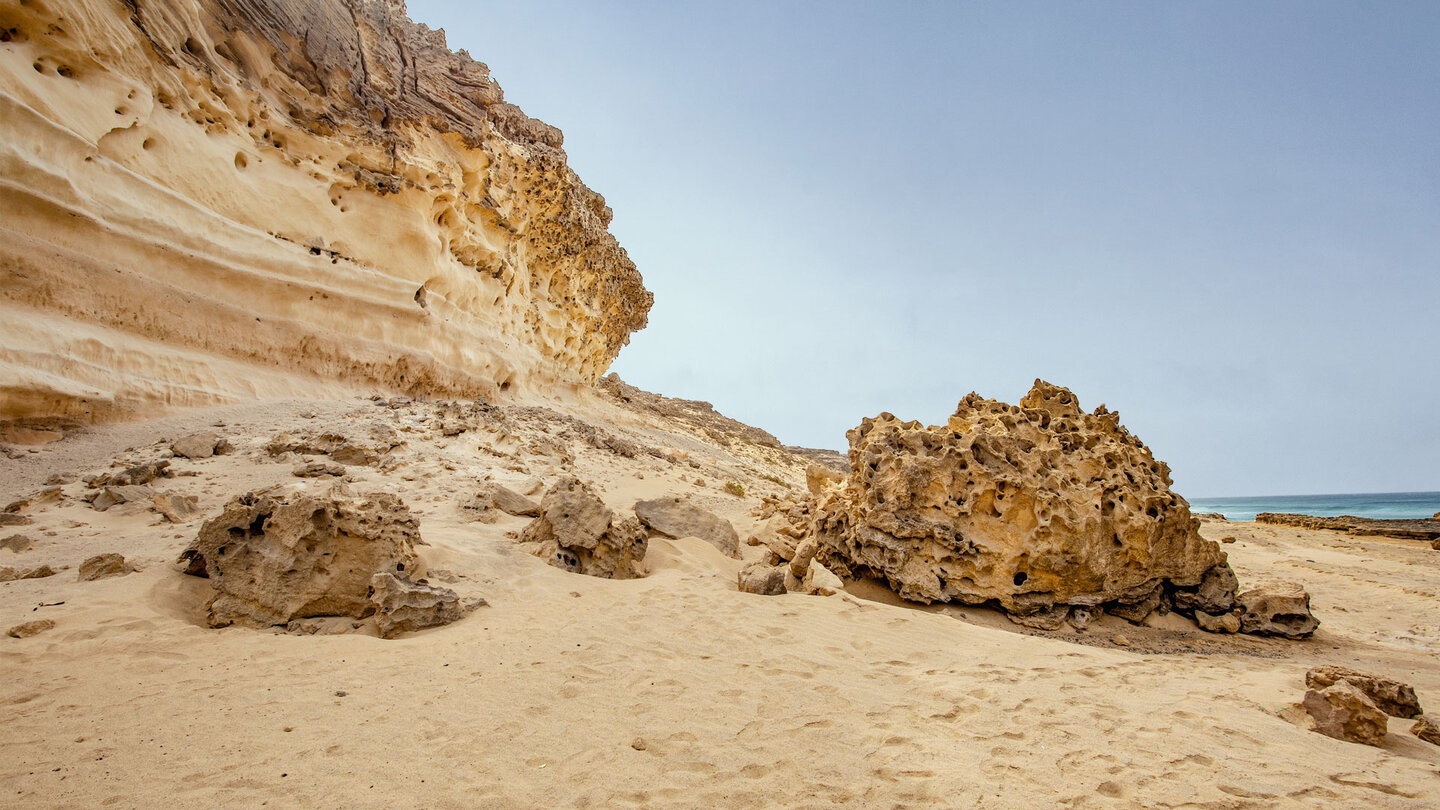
(212, 199)
(1039, 507)
(1418, 529)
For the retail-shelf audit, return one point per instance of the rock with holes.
(402, 605)
(676, 517)
(576, 531)
(1276, 609)
(1345, 713)
(275, 557)
(1392, 697)
(1038, 506)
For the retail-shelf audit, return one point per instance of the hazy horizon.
(1221, 220)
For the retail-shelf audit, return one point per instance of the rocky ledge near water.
(1049, 512)
(1420, 529)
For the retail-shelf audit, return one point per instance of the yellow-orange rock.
(208, 200)
(1035, 506)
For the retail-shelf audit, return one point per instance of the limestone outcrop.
(1040, 508)
(1033, 506)
(273, 558)
(674, 516)
(1419, 529)
(209, 200)
(576, 531)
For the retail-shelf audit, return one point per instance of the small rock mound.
(402, 605)
(273, 558)
(1344, 712)
(200, 445)
(1351, 705)
(1277, 609)
(576, 531)
(370, 445)
(104, 565)
(29, 629)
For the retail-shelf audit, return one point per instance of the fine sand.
(675, 690)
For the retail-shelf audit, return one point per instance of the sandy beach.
(667, 691)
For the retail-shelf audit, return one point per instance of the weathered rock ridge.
(208, 200)
(1041, 508)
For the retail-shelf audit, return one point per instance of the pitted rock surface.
(576, 531)
(1033, 506)
(273, 558)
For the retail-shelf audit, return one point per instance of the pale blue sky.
(1221, 219)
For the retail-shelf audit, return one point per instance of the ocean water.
(1382, 505)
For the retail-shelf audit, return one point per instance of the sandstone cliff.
(207, 200)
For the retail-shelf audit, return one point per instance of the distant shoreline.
(1374, 505)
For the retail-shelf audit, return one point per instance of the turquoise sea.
(1384, 505)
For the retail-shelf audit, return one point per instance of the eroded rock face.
(402, 606)
(576, 531)
(273, 558)
(1344, 712)
(674, 516)
(386, 218)
(1034, 506)
(1277, 609)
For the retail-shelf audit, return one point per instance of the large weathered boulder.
(576, 531)
(1345, 713)
(402, 605)
(1392, 697)
(1277, 609)
(1034, 506)
(273, 557)
(674, 516)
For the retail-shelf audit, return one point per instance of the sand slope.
(670, 691)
